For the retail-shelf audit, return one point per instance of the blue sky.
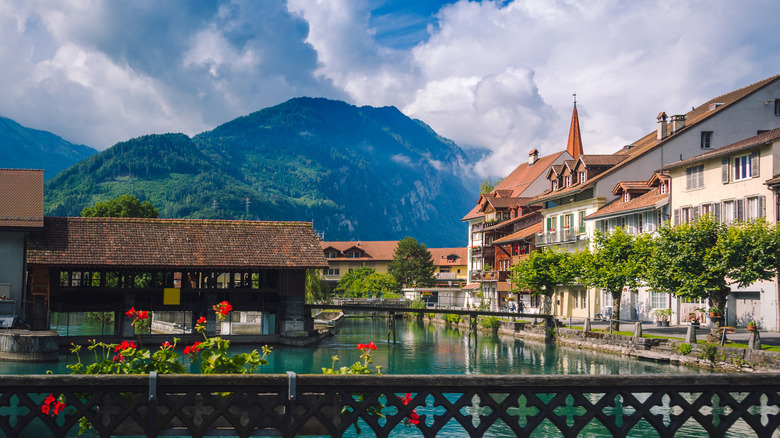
(492, 75)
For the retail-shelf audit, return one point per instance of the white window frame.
(743, 168)
(706, 139)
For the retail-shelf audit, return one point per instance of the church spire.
(574, 145)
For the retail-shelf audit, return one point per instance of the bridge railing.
(385, 405)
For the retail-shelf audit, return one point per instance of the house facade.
(734, 183)
(344, 256)
(450, 266)
(719, 122)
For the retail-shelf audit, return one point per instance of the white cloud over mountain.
(497, 75)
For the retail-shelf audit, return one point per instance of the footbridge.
(393, 310)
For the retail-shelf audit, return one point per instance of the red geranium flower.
(202, 320)
(413, 417)
(192, 349)
(52, 406)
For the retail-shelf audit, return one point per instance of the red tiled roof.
(474, 213)
(523, 175)
(522, 234)
(623, 186)
(376, 250)
(22, 198)
(647, 200)
(182, 243)
(748, 143)
(440, 255)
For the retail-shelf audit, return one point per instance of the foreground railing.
(448, 405)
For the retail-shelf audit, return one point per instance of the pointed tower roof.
(574, 145)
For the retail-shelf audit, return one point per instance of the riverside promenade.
(740, 335)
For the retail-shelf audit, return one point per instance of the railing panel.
(252, 405)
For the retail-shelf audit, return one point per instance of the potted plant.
(751, 326)
(662, 317)
(716, 312)
(693, 319)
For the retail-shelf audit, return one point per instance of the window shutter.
(676, 216)
(739, 205)
(762, 206)
(700, 177)
(695, 212)
(724, 170)
(716, 211)
(754, 164)
(688, 179)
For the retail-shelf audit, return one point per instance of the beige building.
(343, 257)
(732, 184)
(450, 266)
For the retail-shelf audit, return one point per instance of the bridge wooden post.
(391, 325)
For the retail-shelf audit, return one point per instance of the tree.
(315, 286)
(702, 259)
(542, 271)
(488, 185)
(412, 264)
(617, 262)
(344, 286)
(122, 206)
(375, 285)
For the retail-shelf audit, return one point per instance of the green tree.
(315, 286)
(703, 259)
(375, 285)
(412, 264)
(542, 271)
(344, 286)
(488, 185)
(617, 262)
(122, 206)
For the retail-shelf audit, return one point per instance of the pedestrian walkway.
(740, 335)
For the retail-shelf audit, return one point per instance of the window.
(777, 107)
(755, 208)
(354, 254)
(694, 177)
(663, 188)
(658, 300)
(330, 272)
(626, 197)
(331, 254)
(742, 168)
(444, 269)
(567, 180)
(727, 211)
(582, 176)
(555, 185)
(582, 221)
(706, 139)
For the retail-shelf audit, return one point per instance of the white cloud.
(490, 74)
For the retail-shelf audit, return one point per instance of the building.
(505, 211)
(577, 190)
(450, 266)
(185, 266)
(343, 257)
(640, 207)
(733, 183)
(21, 212)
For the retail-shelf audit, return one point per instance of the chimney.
(661, 126)
(533, 157)
(678, 122)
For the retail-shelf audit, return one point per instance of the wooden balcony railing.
(447, 405)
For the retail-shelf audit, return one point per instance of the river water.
(425, 348)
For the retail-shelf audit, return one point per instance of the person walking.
(520, 305)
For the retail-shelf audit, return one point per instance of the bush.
(490, 322)
(451, 318)
(684, 349)
(708, 352)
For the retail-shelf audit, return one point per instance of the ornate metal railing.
(249, 405)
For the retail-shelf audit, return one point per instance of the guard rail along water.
(290, 405)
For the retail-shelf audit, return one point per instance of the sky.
(493, 76)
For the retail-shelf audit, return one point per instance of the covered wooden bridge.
(172, 265)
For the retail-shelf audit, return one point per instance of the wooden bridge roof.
(174, 243)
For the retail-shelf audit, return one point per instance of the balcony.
(567, 235)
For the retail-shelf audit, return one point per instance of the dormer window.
(331, 254)
(567, 180)
(555, 185)
(663, 188)
(354, 254)
(582, 176)
(626, 197)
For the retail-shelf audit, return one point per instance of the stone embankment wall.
(23, 345)
(662, 350)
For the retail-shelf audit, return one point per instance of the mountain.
(26, 148)
(359, 173)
